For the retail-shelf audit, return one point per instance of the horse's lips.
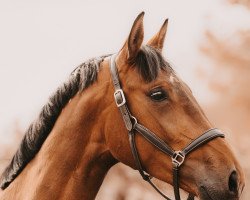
(204, 195)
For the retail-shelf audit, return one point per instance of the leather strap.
(204, 138)
(154, 139)
(119, 95)
(138, 164)
(178, 157)
(176, 182)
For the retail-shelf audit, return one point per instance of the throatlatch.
(133, 127)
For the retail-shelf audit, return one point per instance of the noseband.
(132, 125)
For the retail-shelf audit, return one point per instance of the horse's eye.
(158, 95)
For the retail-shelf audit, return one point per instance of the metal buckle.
(117, 100)
(178, 158)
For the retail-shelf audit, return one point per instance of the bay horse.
(130, 107)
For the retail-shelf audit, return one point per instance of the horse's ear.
(134, 41)
(158, 40)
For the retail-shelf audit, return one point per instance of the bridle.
(132, 125)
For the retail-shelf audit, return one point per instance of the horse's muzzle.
(230, 191)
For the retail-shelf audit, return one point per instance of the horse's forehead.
(177, 86)
(164, 77)
(173, 79)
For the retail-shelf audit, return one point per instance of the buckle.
(119, 98)
(178, 158)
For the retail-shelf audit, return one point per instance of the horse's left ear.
(158, 40)
(135, 39)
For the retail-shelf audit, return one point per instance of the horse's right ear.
(158, 40)
(134, 41)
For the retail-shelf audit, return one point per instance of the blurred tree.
(243, 2)
(229, 79)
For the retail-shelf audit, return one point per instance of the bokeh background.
(208, 44)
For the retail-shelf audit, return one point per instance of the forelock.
(149, 62)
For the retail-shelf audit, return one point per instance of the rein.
(133, 127)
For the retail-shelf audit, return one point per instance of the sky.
(41, 42)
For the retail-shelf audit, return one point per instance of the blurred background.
(208, 44)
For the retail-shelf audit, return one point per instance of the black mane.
(148, 62)
(38, 131)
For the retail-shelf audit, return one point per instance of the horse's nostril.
(233, 182)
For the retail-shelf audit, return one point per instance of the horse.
(130, 107)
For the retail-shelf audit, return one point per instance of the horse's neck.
(72, 162)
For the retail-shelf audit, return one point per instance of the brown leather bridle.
(132, 125)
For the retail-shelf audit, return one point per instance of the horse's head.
(163, 103)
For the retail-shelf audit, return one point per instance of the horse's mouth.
(204, 194)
